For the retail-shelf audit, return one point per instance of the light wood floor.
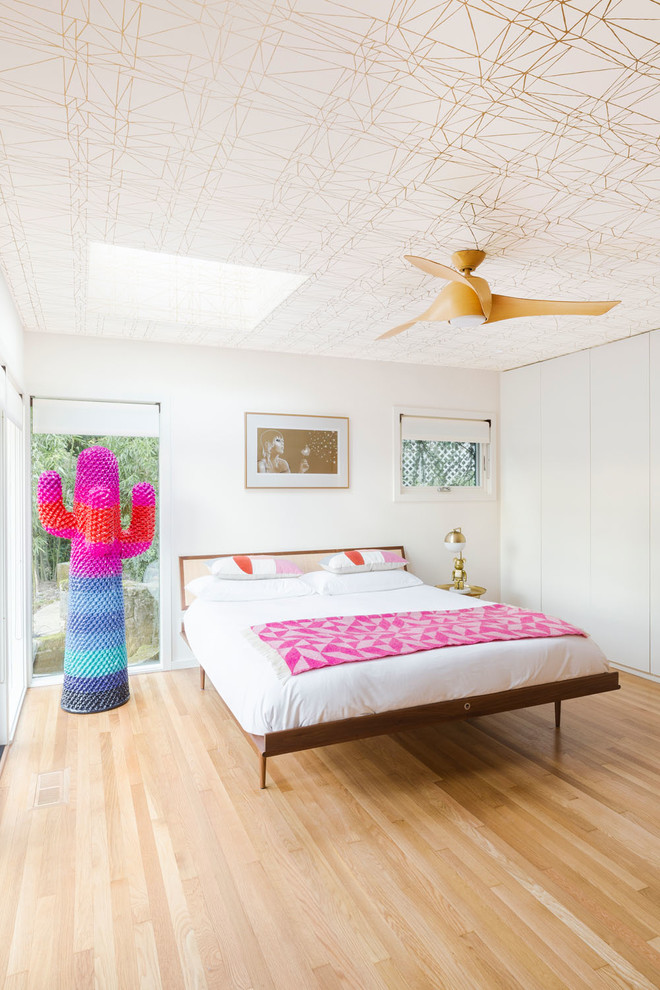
(498, 853)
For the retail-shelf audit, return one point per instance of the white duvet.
(261, 702)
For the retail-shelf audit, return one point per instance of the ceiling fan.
(467, 300)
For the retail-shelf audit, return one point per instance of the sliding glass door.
(13, 654)
(61, 429)
(15, 558)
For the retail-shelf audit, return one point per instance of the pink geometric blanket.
(306, 644)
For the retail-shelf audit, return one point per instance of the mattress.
(261, 702)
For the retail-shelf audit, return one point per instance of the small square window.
(442, 455)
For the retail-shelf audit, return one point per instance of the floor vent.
(51, 788)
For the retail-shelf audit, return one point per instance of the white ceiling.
(317, 138)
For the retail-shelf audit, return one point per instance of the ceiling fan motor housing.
(467, 260)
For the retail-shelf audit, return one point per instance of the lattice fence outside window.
(439, 463)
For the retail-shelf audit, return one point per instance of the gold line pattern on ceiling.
(312, 137)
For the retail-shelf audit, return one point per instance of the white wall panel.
(580, 513)
(565, 487)
(11, 335)
(520, 491)
(620, 500)
(654, 447)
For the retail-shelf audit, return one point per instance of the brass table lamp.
(454, 542)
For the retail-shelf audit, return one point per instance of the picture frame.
(284, 450)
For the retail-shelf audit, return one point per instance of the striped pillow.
(244, 568)
(352, 561)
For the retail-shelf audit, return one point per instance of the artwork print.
(286, 451)
(297, 451)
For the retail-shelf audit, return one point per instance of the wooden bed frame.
(363, 726)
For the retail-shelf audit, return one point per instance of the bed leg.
(202, 678)
(557, 714)
(262, 771)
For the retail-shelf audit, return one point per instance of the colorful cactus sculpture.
(95, 662)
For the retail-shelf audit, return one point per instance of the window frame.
(485, 492)
(167, 563)
(14, 489)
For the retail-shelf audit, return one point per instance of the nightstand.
(474, 592)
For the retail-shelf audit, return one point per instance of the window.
(442, 455)
(61, 429)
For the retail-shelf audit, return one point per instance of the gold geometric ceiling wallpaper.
(330, 139)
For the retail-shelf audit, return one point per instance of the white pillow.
(246, 568)
(326, 583)
(352, 561)
(213, 589)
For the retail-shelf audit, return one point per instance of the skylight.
(171, 288)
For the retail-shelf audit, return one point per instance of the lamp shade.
(455, 540)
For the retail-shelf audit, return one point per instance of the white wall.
(206, 391)
(11, 335)
(582, 536)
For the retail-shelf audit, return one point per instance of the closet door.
(565, 488)
(654, 446)
(620, 501)
(520, 420)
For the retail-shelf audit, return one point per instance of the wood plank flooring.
(495, 854)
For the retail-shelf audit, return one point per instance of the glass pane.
(138, 461)
(439, 463)
(14, 547)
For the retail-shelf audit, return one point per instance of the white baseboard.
(182, 663)
(637, 673)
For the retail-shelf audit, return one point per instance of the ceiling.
(316, 138)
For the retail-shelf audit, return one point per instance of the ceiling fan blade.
(510, 307)
(396, 330)
(482, 289)
(435, 268)
(478, 285)
(439, 310)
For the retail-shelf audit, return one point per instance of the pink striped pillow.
(353, 561)
(245, 568)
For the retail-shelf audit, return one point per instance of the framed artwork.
(283, 451)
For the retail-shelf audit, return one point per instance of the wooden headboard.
(306, 560)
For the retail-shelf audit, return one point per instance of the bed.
(356, 700)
